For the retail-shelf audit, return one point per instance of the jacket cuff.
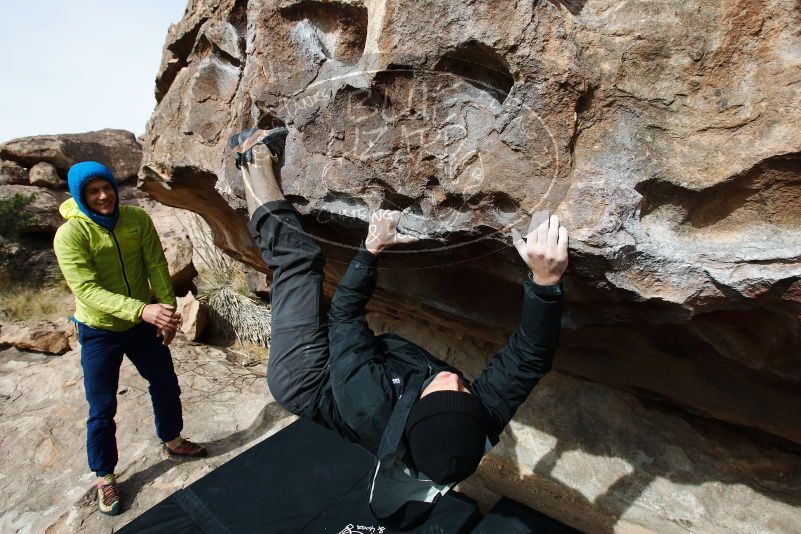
(365, 257)
(552, 292)
(136, 316)
(264, 211)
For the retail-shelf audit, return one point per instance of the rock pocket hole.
(338, 28)
(395, 201)
(480, 66)
(268, 121)
(573, 6)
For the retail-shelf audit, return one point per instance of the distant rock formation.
(37, 166)
(667, 136)
(117, 149)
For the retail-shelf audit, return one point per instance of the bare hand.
(545, 248)
(161, 316)
(383, 231)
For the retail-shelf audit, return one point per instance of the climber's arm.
(513, 372)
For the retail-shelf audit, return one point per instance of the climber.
(426, 423)
(111, 257)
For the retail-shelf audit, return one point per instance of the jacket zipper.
(122, 264)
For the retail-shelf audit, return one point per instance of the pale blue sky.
(78, 65)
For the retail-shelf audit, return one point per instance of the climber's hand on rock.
(383, 231)
(544, 249)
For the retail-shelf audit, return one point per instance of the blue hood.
(77, 177)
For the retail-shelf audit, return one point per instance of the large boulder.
(667, 136)
(259, 284)
(119, 150)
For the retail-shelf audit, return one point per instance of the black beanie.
(446, 432)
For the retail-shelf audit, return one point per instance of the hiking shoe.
(244, 141)
(108, 495)
(186, 449)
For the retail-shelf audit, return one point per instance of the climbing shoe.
(244, 141)
(186, 449)
(108, 495)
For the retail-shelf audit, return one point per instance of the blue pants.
(101, 357)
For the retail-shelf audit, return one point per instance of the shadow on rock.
(613, 454)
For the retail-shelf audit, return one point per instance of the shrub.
(13, 218)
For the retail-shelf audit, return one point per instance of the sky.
(69, 66)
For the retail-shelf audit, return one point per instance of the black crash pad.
(511, 517)
(304, 479)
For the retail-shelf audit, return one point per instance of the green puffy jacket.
(109, 272)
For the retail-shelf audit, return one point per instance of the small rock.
(44, 174)
(194, 315)
(39, 336)
(178, 250)
(12, 174)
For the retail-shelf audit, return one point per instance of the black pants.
(298, 362)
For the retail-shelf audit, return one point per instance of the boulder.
(667, 138)
(45, 174)
(39, 336)
(117, 149)
(178, 251)
(686, 233)
(194, 316)
(12, 173)
(43, 208)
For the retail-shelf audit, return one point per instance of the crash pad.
(303, 479)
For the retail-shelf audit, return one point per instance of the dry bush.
(223, 288)
(21, 302)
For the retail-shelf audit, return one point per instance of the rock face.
(666, 135)
(117, 149)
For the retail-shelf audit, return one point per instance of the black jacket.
(374, 380)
